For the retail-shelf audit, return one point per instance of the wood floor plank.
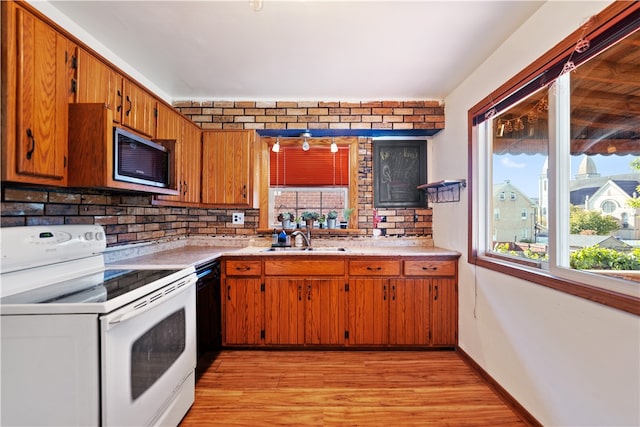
(344, 388)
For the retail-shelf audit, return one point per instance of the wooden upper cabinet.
(191, 163)
(37, 72)
(138, 109)
(229, 168)
(98, 82)
(187, 151)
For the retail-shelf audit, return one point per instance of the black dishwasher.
(208, 316)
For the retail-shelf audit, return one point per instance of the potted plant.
(285, 218)
(332, 217)
(346, 213)
(298, 221)
(322, 221)
(310, 217)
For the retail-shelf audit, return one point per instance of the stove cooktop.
(99, 292)
(98, 287)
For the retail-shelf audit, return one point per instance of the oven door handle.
(152, 301)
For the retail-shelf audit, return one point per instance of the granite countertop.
(195, 255)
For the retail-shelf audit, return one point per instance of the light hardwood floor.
(345, 388)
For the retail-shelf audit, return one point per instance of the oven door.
(148, 351)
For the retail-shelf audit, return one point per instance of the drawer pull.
(430, 268)
(229, 292)
(435, 298)
(244, 268)
(374, 268)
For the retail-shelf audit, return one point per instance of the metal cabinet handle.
(244, 191)
(120, 105)
(309, 293)
(130, 106)
(393, 294)
(299, 293)
(186, 187)
(374, 268)
(435, 298)
(384, 293)
(229, 292)
(245, 268)
(430, 268)
(32, 143)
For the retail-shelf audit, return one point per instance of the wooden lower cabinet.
(342, 303)
(368, 311)
(444, 312)
(409, 309)
(243, 311)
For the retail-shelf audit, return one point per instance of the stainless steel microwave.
(138, 160)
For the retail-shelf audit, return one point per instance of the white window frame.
(558, 203)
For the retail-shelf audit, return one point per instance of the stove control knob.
(88, 236)
(99, 235)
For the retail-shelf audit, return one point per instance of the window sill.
(620, 301)
(319, 231)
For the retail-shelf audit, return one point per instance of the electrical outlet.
(237, 218)
(383, 218)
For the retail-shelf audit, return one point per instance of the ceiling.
(301, 50)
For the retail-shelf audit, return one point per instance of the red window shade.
(293, 166)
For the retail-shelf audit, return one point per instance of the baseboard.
(500, 391)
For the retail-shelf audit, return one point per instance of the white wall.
(568, 361)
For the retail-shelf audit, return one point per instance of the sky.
(523, 170)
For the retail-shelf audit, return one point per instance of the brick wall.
(314, 115)
(126, 218)
(394, 115)
(133, 218)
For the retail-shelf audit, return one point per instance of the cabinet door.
(171, 128)
(191, 163)
(368, 311)
(444, 312)
(243, 310)
(227, 167)
(139, 109)
(43, 91)
(409, 312)
(97, 82)
(284, 310)
(324, 311)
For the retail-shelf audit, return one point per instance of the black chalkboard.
(399, 167)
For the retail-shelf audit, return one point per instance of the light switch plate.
(237, 218)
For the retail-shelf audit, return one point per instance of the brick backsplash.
(395, 115)
(125, 218)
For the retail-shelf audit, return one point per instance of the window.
(313, 180)
(608, 206)
(564, 145)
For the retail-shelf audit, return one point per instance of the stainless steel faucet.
(307, 236)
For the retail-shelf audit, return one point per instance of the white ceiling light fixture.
(255, 5)
(334, 146)
(276, 146)
(305, 143)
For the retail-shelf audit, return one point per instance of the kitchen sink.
(305, 249)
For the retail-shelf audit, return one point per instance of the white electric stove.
(83, 344)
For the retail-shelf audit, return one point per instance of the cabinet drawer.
(289, 267)
(243, 268)
(374, 268)
(429, 268)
